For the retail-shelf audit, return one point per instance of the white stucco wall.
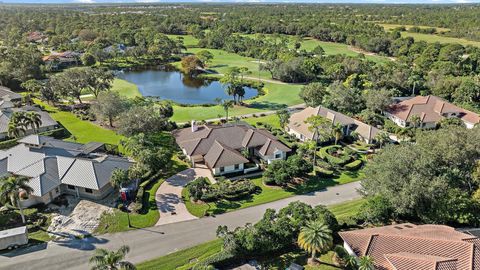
(228, 169)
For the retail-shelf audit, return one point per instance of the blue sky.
(245, 1)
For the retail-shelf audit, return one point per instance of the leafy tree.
(32, 86)
(378, 100)
(376, 210)
(12, 188)
(119, 178)
(109, 105)
(111, 260)
(315, 237)
(155, 159)
(431, 180)
(145, 119)
(191, 64)
(197, 187)
(88, 59)
(313, 94)
(318, 51)
(205, 56)
(344, 99)
(283, 117)
(98, 80)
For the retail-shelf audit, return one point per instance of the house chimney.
(194, 126)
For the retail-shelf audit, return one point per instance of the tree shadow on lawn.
(224, 205)
(312, 184)
(266, 105)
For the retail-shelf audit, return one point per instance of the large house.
(58, 167)
(59, 60)
(227, 148)
(408, 247)
(8, 100)
(429, 110)
(298, 128)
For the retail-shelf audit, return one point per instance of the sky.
(248, 1)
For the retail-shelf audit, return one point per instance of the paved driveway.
(169, 196)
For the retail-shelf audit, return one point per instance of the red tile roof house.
(431, 110)
(411, 247)
(298, 128)
(220, 147)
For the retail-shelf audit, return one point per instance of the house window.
(237, 166)
(278, 155)
(222, 169)
(71, 187)
(87, 190)
(57, 190)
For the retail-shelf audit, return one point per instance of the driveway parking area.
(169, 195)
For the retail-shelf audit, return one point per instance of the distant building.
(59, 60)
(430, 110)
(300, 129)
(223, 148)
(37, 37)
(411, 247)
(57, 167)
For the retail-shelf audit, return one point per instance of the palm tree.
(350, 262)
(317, 124)
(33, 120)
(315, 237)
(15, 130)
(382, 138)
(226, 105)
(111, 260)
(11, 187)
(366, 263)
(337, 130)
(415, 120)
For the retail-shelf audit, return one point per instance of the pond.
(175, 86)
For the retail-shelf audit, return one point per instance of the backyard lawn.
(82, 131)
(267, 194)
(125, 88)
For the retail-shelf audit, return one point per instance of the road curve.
(149, 243)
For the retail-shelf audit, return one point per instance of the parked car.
(13, 238)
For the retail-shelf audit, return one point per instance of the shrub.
(327, 152)
(324, 172)
(353, 165)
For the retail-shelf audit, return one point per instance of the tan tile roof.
(430, 109)
(297, 122)
(408, 246)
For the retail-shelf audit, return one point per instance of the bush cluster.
(201, 189)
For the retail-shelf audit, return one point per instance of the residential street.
(156, 241)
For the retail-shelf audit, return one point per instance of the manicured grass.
(188, 40)
(344, 211)
(277, 96)
(183, 259)
(441, 39)
(82, 131)
(267, 194)
(389, 26)
(271, 119)
(125, 88)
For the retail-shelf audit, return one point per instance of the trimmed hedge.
(324, 172)
(344, 158)
(353, 165)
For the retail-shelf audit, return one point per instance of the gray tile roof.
(221, 155)
(232, 136)
(53, 162)
(6, 114)
(6, 93)
(271, 146)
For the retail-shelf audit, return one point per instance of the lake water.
(175, 86)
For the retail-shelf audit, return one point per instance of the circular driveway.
(169, 196)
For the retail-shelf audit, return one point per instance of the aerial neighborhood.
(239, 135)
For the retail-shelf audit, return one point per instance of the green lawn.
(271, 119)
(125, 88)
(183, 259)
(441, 39)
(188, 40)
(83, 131)
(346, 210)
(267, 194)
(389, 26)
(278, 96)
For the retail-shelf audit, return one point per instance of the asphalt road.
(157, 241)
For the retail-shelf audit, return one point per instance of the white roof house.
(49, 163)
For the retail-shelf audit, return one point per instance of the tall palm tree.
(315, 237)
(15, 130)
(11, 187)
(337, 130)
(34, 120)
(111, 260)
(366, 263)
(226, 105)
(317, 125)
